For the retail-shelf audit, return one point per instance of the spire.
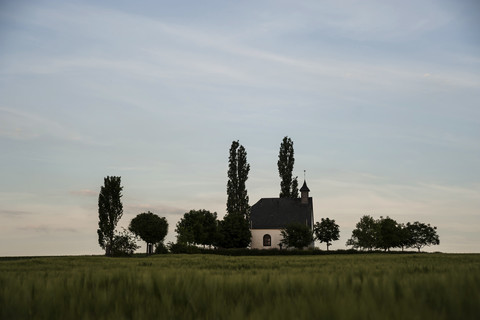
(304, 187)
(304, 190)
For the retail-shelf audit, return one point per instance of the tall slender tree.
(110, 210)
(234, 230)
(286, 160)
(238, 168)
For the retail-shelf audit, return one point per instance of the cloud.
(28, 125)
(197, 85)
(84, 192)
(132, 168)
(159, 209)
(379, 20)
(201, 58)
(47, 229)
(14, 213)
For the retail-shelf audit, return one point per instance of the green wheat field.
(358, 286)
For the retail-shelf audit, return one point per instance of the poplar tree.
(238, 168)
(110, 210)
(234, 229)
(288, 184)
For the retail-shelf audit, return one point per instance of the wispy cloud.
(181, 51)
(380, 99)
(380, 20)
(84, 192)
(14, 213)
(20, 124)
(159, 209)
(47, 229)
(132, 168)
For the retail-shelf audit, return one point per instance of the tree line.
(197, 227)
(202, 228)
(147, 226)
(386, 233)
(369, 234)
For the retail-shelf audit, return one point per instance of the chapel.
(270, 215)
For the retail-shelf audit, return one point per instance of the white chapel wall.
(257, 238)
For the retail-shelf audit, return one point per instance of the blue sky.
(381, 99)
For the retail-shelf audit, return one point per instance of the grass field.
(363, 286)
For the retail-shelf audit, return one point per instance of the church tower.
(304, 193)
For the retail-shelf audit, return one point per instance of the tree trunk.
(149, 248)
(108, 249)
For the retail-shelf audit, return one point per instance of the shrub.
(182, 248)
(160, 248)
(123, 244)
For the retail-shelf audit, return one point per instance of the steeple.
(304, 193)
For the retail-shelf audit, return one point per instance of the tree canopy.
(234, 231)
(238, 168)
(296, 235)
(422, 235)
(123, 244)
(110, 210)
(364, 236)
(386, 233)
(150, 228)
(326, 231)
(286, 160)
(197, 227)
(389, 234)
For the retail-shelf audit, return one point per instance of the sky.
(381, 99)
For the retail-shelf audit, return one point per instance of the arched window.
(267, 240)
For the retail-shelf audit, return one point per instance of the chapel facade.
(270, 215)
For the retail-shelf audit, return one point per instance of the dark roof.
(304, 187)
(277, 213)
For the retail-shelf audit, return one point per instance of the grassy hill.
(376, 286)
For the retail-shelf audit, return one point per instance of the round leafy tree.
(326, 231)
(389, 234)
(150, 228)
(234, 231)
(422, 235)
(365, 234)
(296, 235)
(197, 227)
